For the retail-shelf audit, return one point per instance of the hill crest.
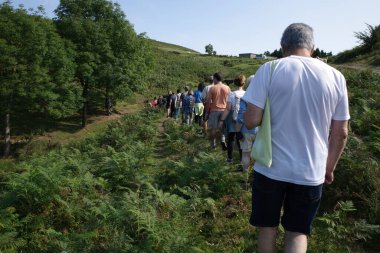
(168, 47)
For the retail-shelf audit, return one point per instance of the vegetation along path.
(69, 131)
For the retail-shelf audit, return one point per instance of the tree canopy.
(54, 68)
(369, 38)
(209, 49)
(111, 58)
(36, 68)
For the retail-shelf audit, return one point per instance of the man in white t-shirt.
(309, 118)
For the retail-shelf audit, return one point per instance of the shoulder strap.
(272, 67)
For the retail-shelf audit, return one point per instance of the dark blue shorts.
(300, 204)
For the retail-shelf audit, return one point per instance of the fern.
(339, 232)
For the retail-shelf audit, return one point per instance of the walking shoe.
(230, 160)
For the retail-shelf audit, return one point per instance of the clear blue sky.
(239, 26)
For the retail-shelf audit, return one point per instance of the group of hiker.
(306, 102)
(217, 110)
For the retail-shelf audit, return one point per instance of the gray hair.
(297, 35)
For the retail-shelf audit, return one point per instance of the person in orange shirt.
(217, 103)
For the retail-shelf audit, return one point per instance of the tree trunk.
(7, 148)
(107, 103)
(85, 104)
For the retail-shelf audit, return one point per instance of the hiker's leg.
(238, 146)
(300, 207)
(246, 160)
(267, 239)
(230, 145)
(267, 199)
(213, 125)
(205, 128)
(246, 148)
(295, 242)
(213, 133)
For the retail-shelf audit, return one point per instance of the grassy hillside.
(145, 183)
(358, 174)
(167, 47)
(367, 53)
(356, 57)
(176, 67)
(148, 184)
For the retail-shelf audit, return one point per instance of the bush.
(339, 232)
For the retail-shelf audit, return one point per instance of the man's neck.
(298, 52)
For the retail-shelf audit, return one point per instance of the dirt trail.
(95, 124)
(161, 150)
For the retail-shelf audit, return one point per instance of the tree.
(277, 53)
(370, 37)
(109, 56)
(35, 70)
(320, 53)
(209, 49)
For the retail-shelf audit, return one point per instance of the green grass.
(69, 131)
(149, 184)
(173, 71)
(143, 183)
(167, 47)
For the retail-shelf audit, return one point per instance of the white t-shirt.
(232, 97)
(205, 91)
(305, 95)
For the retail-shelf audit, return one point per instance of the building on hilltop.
(252, 56)
(261, 56)
(248, 55)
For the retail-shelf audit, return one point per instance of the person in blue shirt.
(188, 107)
(199, 107)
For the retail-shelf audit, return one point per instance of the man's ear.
(285, 52)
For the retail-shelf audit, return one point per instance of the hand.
(239, 136)
(220, 125)
(238, 127)
(329, 177)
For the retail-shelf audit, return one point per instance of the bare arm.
(208, 101)
(253, 116)
(337, 142)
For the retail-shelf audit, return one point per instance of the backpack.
(236, 108)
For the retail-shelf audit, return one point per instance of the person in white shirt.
(309, 117)
(229, 119)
